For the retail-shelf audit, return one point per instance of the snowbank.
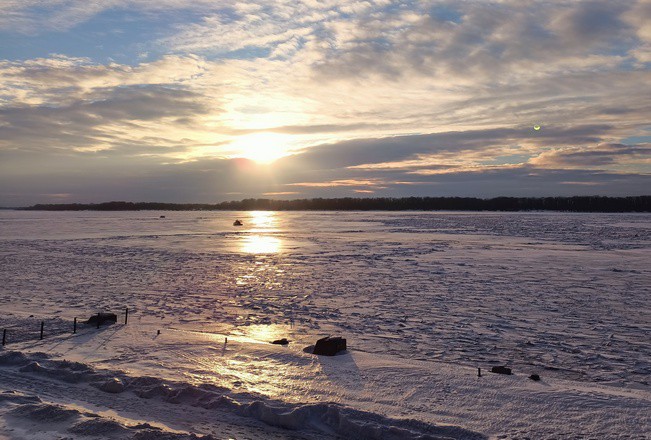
(330, 419)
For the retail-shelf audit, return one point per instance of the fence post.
(74, 326)
(126, 316)
(4, 336)
(42, 325)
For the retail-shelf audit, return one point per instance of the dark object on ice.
(534, 377)
(162, 216)
(501, 370)
(478, 372)
(237, 223)
(330, 346)
(282, 341)
(101, 318)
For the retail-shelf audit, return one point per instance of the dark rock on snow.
(330, 346)
(282, 341)
(501, 370)
(103, 317)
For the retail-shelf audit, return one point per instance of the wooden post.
(478, 372)
(74, 326)
(42, 325)
(4, 336)
(98, 315)
(126, 316)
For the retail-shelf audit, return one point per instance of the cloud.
(109, 117)
(61, 78)
(336, 183)
(360, 152)
(604, 156)
(89, 179)
(491, 41)
(144, 178)
(36, 16)
(390, 97)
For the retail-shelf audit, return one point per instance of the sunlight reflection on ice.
(263, 219)
(264, 332)
(241, 364)
(260, 244)
(262, 222)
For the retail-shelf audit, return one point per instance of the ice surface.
(419, 296)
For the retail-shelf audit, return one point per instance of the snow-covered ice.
(424, 299)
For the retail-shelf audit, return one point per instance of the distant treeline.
(576, 204)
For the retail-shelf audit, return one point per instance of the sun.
(261, 147)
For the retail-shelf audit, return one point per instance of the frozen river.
(423, 299)
(564, 292)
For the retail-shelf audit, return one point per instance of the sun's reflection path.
(260, 244)
(249, 362)
(264, 333)
(260, 276)
(263, 219)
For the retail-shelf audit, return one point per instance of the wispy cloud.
(604, 157)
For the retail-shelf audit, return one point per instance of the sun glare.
(261, 147)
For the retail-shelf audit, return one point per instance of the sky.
(209, 100)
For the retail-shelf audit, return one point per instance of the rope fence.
(32, 328)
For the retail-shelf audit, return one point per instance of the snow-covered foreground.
(424, 299)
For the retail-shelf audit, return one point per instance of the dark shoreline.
(569, 204)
